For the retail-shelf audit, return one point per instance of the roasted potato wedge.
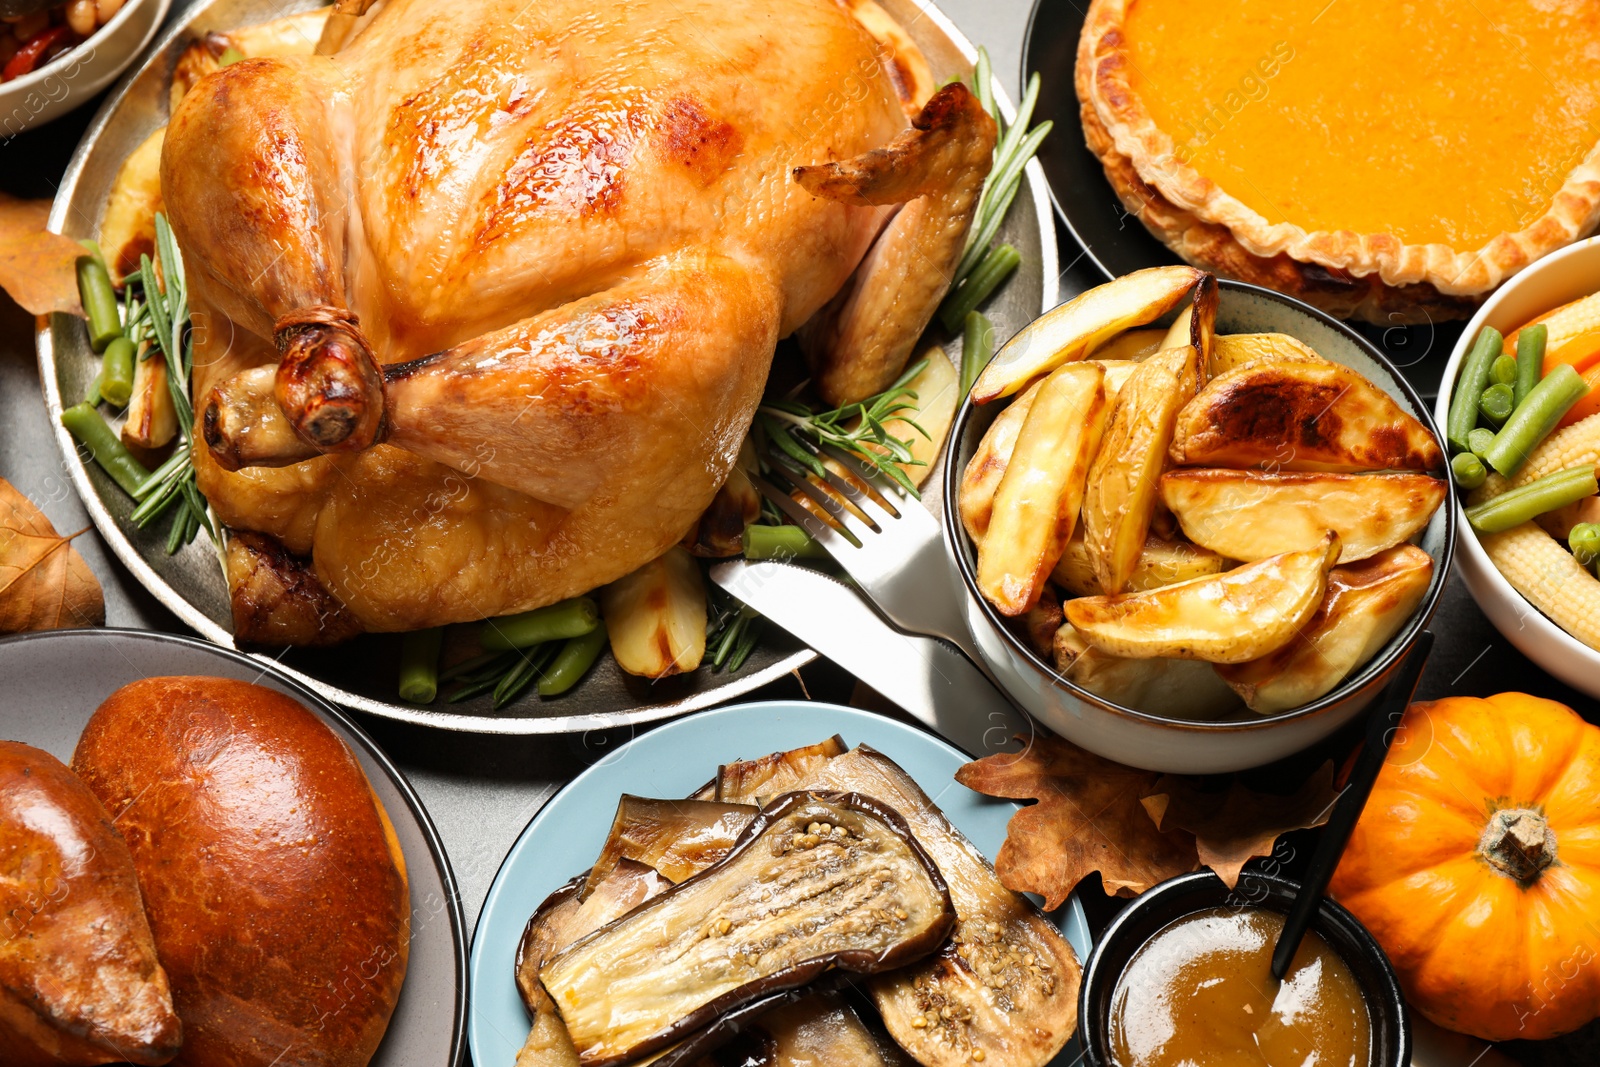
(937, 388)
(129, 227)
(1082, 324)
(1036, 505)
(1239, 615)
(1301, 417)
(656, 616)
(1179, 688)
(1231, 351)
(1118, 371)
(1124, 479)
(988, 464)
(1132, 345)
(1196, 327)
(1040, 622)
(152, 422)
(1161, 562)
(1365, 606)
(1251, 515)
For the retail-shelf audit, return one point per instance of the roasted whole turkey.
(486, 299)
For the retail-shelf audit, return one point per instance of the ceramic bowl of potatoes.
(1198, 524)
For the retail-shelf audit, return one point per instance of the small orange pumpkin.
(1476, 865)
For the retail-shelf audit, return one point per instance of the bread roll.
(79, 980)
(272, 877)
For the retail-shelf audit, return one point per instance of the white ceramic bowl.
(1554, 280)
(79, 73)
(1182, 746)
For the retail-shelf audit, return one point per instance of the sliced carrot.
(1589, 404)
(1582, 351)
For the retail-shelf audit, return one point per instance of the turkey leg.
(250, 172)
(861, 340)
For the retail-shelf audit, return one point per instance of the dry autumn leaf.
(38, 268)
(1088, 818)
(44, 583)
(1234, 825)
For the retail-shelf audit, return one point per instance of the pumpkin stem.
(1519, 843)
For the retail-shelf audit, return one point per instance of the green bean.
(572, 662)
(780, 542)
(99, 301)
(1496, 405)
(116, 371)
(85, 423)
(1517, 506)
(93, 397)
(1503, 371)
(1480, 439)
(977, 348)
(1534, 418)
(1584, 540)
(555, 622)
(980, 284)
(1469, 387)
(419, 665)
(1468, 469)
(1530, 359)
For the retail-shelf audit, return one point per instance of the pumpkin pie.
(1390, 162)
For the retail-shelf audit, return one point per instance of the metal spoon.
(1381, 728)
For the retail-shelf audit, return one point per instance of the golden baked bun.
(79, 979)
(272, 877)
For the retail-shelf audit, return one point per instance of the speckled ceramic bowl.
(1182, 746)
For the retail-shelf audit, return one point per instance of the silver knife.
(934, 683)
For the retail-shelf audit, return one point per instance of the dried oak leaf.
(44, 583)
(1234, 825)
(1088, 818)
(38, 268)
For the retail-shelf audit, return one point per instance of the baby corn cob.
(1564, 449)
(1576, 318)
(1544, 572)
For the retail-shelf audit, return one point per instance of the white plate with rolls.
(258, 883)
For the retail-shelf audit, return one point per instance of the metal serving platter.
(362, 673)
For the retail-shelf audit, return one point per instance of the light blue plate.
(673, 761)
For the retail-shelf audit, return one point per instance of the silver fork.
(888, 543)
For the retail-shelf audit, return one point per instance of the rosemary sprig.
(859, 429)
(158, 320)
(1017, 145)
(733, 636)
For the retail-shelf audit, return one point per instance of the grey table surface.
(481, 791)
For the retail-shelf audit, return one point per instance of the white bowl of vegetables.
(1530, 553)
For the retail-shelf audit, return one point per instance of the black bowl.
(1171, 900)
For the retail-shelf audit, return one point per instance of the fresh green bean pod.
(419, 665)
(780, 542)
(1480, 439)
(99, 299)
(555, 622)
(1534, 418)
(1530, 359)
(1584, 540)
(84, 423)
(1468, 469)
(1496, 405)
(977, 348)
(572, 662)
(980, 285)
(1503, 371)
(116, 371)
(1524, 503)
(1474, 377)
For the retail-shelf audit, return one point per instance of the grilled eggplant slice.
(819, 1030)
(562, 919)
(677, 838)
(752, 781)
(817, 881)
(1004, 991)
